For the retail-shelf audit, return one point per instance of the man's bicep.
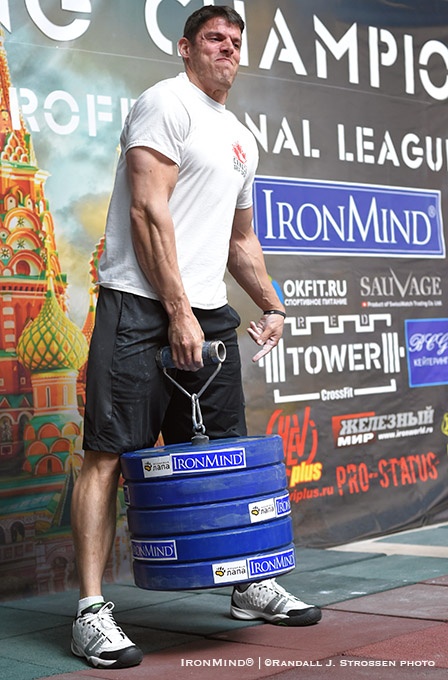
(150, 173)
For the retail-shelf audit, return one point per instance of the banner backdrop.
(347, 101)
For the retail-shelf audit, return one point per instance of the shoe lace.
(265, 591)
(105, 621)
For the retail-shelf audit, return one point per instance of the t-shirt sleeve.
(158, 120)
(245, 197)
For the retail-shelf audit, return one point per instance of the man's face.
(212, 60)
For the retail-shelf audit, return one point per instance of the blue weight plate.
(194, 519)
(206, 488)
(219, 455)
(213, 573)
(214, 545)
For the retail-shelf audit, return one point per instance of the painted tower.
(41, 354)
(26, 242)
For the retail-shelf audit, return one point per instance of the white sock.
(88, 601)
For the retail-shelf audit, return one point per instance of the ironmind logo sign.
(335, 218)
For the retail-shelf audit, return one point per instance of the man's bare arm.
(152, 178)
(247, 265)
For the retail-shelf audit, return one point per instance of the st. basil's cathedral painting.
(42, 379)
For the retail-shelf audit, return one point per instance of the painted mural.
(42, 359)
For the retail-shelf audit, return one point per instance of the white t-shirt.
(217, 158)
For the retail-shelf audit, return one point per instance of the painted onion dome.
(51, 341)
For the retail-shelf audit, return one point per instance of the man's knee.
(105, 466)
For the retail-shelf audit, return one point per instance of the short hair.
(196, 20)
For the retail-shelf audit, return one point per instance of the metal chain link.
(196, 414)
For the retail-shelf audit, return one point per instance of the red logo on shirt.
(239, 152)
(240, 159)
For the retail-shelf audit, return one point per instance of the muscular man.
(180, 214)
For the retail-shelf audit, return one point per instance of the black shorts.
(129, 400)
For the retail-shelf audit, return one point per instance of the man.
(180, 213)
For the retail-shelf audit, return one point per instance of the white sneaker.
(269, 601)
(97, 637)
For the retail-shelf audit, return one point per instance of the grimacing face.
(213, 59)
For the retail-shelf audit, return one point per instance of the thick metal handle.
(213, 352)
